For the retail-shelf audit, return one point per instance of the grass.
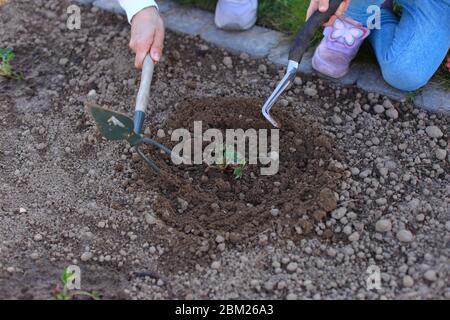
(289, 15)
(283, 15)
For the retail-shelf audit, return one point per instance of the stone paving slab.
(261, 42)
(109, 5)
(187, 20)
(257, 41)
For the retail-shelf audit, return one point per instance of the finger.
(313, 6)
(158, 44)
(342, 8)
(323, 5)
(141, 52)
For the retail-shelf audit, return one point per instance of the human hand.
(147, 35)
(448, 63)
(322, 6)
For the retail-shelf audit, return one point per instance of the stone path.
(261, 42)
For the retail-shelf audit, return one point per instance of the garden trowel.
(117, 126)
(301, 44)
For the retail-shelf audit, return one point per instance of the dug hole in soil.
(200, 206)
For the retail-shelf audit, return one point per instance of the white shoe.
(236, 14)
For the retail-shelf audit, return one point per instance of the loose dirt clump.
(203, 207)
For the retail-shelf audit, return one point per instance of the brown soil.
(239, 210)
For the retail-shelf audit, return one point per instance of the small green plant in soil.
(233, 160)
(65, 293)
(6, 70)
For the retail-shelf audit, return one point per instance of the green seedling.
(232, 159)
(65, 293)
(6, 70)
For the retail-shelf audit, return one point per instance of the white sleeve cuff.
(132, 7)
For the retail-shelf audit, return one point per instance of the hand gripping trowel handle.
(143, 95)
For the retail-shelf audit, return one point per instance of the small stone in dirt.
(298, 81)
(378, 108)
(220, 239)
(291, 296)
(215, 265)
(388, 104)
(228, 62)
(92, 93)
(381, 201)
(183, 205)
(433, 132)
(150, 219)
(160, 133)
(336, 119)
(441, 154)
(38, 237)
(353, 237)
(22, 210)
(310, 92)
(86, 256)
(10, 269)
(275, 212)
(34, 255)
(430, 275)
(408, 281)
(405, 236)
(284, 102)
(339, 213)
(292, 266)
(327, 200)
(41, 146)
(383, 225)
(447, 225)
(101, 224)
(63, 61)
(392, 113)
(262, 68)
(215, 206)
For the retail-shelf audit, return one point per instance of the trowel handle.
(309, 29)
(143, 94)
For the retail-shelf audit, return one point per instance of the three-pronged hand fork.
(117, 126)
(302, 41)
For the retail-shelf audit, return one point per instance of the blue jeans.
(410, 49)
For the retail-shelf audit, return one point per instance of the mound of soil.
(203, 207)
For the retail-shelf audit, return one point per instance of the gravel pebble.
(383, 225)
(392, 113)
(292, 266)
(441, 154)
(405, 236)
(38, 237)
(433, 132)
(378, 108)
(310, 92)
(86, 256)
(430, 275)
(408, 281)
(228, 62)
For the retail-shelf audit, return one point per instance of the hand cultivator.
(302, 41)
(116, 126)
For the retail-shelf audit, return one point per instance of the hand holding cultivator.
(116, 126)
(302, 41)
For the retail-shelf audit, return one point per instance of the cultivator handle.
(143, 95)
(309, 29)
